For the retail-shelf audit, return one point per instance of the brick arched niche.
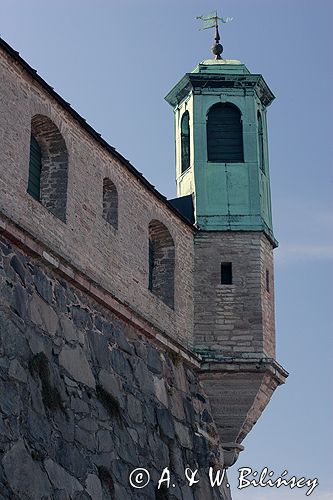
(54, 165)
(161, 262)
(110, 203)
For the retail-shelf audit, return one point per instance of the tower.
(222, 164)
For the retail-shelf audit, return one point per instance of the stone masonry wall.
(268, 301)
(238, 318)
(85, 398)
(117, 259)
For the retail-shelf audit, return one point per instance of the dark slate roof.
(66, 105)
(184, 204)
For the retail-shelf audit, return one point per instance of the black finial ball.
(217, 49)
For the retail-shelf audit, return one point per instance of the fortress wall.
(85, 398)
(116, 259)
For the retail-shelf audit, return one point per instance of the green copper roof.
(221, 66)
(217, 74)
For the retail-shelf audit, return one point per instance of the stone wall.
(85, 398)
(268, 301)
(234, 319)
(115, 258)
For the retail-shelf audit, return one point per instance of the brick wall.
(117, 259)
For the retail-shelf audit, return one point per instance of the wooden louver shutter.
(35, 168)
(185, 141)
(261, 143)
(151, 266)
(224, 134)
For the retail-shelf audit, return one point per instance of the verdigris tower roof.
(220, 73)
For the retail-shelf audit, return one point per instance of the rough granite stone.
(20, 301)
(134, 409)
(10, 402)
(154, 360)
(165, 422)
(24, 475)
(16, 371)
(112, 384)
(94, 487)
(18, 266)
(76, 363)
(43, 285)
(69, 431)
(43, 315)
(68, 329)
(60, 479)
(160, 391)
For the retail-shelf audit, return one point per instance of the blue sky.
(114, 61)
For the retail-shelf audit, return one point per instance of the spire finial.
(211, 21)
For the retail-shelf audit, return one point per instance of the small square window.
(226, 273)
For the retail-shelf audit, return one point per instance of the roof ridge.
(111, 149)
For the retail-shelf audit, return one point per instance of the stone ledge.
(218, 364)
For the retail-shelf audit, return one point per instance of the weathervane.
(211, 21)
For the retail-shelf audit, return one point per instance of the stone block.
(76, 364)
(94, 487)
(25, 477)
(165, 422)
(43, 315)
(160, 391)
(60, 479)
(16, 371)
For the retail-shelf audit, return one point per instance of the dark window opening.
(185, 141)
(226, 273)
(48, 166)
(267, 280)
(110, 203)
(35, 169)
(261, 143)
(224, 134)
(161, 262)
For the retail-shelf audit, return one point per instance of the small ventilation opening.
(267, 280)
(226, 273)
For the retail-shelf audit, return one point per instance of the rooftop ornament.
(211, 21)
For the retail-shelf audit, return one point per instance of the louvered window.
(224, 134)
(48, 166)
(261, 143)
(35, 169)
(151, 266)
(185, 140)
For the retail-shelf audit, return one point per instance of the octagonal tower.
(222, 167)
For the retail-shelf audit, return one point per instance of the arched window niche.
(185, 141)
(261, 142)
(48, 166)
(224, 134)
(161, 262)
(110, 203)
